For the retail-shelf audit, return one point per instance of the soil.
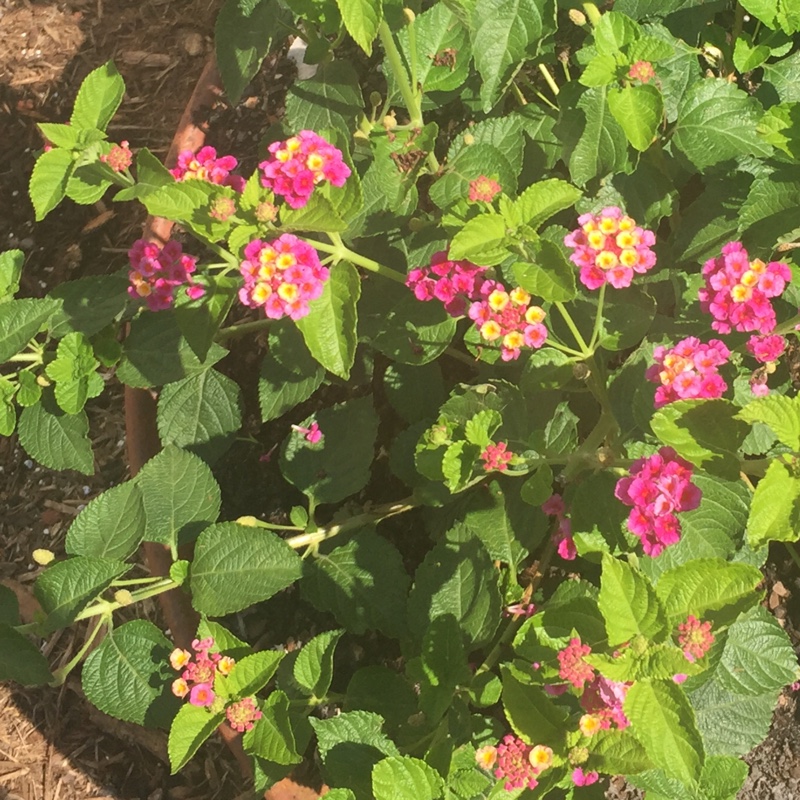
(53, 744)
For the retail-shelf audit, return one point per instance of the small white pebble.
(28, 463)
(46, 531)
(81, 506)
(43, 284)
(86, 490)
(38, 52)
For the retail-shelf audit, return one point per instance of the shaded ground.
(53, 745)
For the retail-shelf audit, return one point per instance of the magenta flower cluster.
(199, 670)
(205, 166)
(282, 276)
(738, 291)
(514, 765)
(604, 699)
(688, 371)
(766, 348)
(658, 488)
(156, 272)
(496, 457)
(300, 164)
(610, 247)
(455, 283)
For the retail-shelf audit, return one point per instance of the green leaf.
(781, 413)
(550, 276)
(272, 737)
(65, 588)
(405, 778)
(483, 240)
(444, 667)
(48, 183)
(98, 98)
(639, 111)
(199, 320)
(329, 329)
(504, 34)
(289, 374)
(338, 465)
(156, 353)
(460, 581)
(201, 413)
(616, 752)
(190, 728)
(613, 31)
(11, 262)
(242, 38)
(20, 321)
(531, 713)
(362, 18)
(313, 669)
(600, 71)
(111, 526)
(758, 656)
(775, 508)
(412, 332)
(766, 217)
(363, 583)
(663, 721)
(542, 200)
(595, 144)
(471, 162)
(151, 175)
(350, 745)
(781, 80)
(88, 304)
(28, 390)
(252, 673)
(21, 661)
(55, 439)
(128, 676)
(401, 384)
(747, 56)
(9, 606)
(717, 122)
(722, 777)
(331, 99)
(224, 640)
(383, 691)
(706, 432)
(705, 584)
(73, 370)
(629, 603)
(180, 496)
(235, 566)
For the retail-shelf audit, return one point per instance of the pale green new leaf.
(98, 98)
(272, 737)
(482, 240)
(362, 18)
(542, 200)
(775, 508)
(781, 413)
(20, 321)
(639, 111)
(252, 673)
(405, 778)
(190, 728)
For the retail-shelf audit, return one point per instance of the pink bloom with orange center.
(581, 778)
(201, 695)
(179, 658)
(562, 537)
(311, 434)
(454, 283)
(486, 757)
(156, 273)
(766, 348)
(205, 166)
(483, 189)
(642, 71)
(695, 638)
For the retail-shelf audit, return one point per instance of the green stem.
(549, 79)
(137, 581)
(401, 76)
(20, 358)
(592, 13)
(518, 94)
(228, 257)
(380, 513)
(344, 253)
(573, 328)
(462, 357)
(60, 675)
(514, 624)
(412, 57)
(598, 320)
(253, 522)
(107, 606)
(738, 23)
(242, 329)
(788, 326)
(564, 349)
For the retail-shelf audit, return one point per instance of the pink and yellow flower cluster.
(199, 669)
(738, 291)
(610, 247)
(688, 371)
(282, 276)
(658, 488)
(205, 166)
(156, 272)
(516, 763)
(299, 164)
(695, 638)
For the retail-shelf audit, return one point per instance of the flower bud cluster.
(610, 247)
(657, 489)
(520, 764)
(688, 371)
(496, 457)
(738, 291)
(454, 283)
(695, 638)
(156, 272)
(200, 668)
(119, 158)
(300, 164)
(282, 276)
(205, 166)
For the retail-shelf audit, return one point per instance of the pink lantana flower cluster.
(119, 158)
(658, 488)
(562, 538)
(581, 778)
(610, 247)
(282, 276)
(205, 166)
(571, 663)
(200, 668)
(455, 283)
(519, 764)
(483, 189)
(738, 291)
(243, 714)
(496, 457)
(688, 371)
(156, 272)
(300, 164)
(695, 638)
(766, 348)
(603, 699)
(508, 318)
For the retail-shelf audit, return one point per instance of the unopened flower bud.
(222, 208)
(416, 224)
(439, 434)
(605, 456)
(266, 212)
(375, 99)
(770, 367)
(578, 17)
(581, 372)
(42, 380)
(469, 139)
(409, 15)
(43, 557)
(578, 755)
(250, 522)
(389, 121)
(123, 597)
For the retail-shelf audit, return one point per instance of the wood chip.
(141, 58)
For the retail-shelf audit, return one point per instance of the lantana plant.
(547, 269)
